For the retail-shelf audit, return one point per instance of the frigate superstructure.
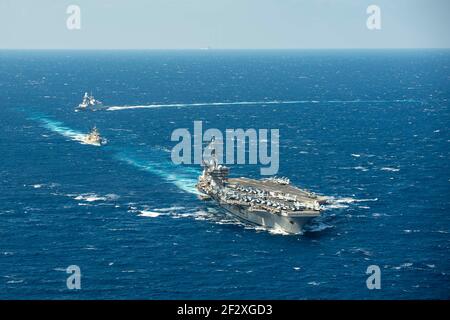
(88, 102)
(94, 138)
(273, 203)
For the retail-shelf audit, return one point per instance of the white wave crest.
(92, 197)
(342, 203)
(348, 200)
(390, 169)
(170, 209)
(149, 214)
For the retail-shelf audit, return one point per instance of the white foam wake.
(266, 102)
(180, 180)
(59, 128)
(204, 104)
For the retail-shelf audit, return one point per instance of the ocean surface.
(368, 128)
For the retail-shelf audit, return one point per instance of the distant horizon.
(226, 49)
(224, 24)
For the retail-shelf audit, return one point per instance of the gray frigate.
(89, 103)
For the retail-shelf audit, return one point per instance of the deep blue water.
(369, 128)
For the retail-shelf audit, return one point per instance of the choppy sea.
(368, 128)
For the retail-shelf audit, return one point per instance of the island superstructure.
(272, 203)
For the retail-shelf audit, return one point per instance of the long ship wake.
(249, 103)
(183, 178)
(59, 128)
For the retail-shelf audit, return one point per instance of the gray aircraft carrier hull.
(288, 224)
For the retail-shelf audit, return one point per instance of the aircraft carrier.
(272, 203)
